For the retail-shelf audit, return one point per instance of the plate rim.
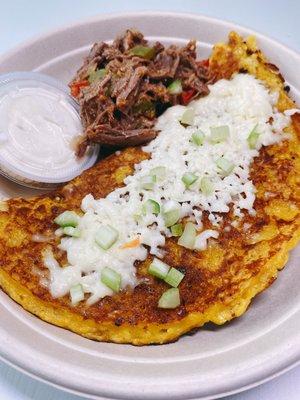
(91, 397)
(77, 22)
(225, 23)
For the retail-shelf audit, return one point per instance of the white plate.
(212, 362)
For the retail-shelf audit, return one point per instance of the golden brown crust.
(219, 282)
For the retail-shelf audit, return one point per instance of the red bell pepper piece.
(76, 86)
(187, 95)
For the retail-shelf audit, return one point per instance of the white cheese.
(201, 240)
(291, 111)
(242, 104)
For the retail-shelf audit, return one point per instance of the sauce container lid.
(39, 123)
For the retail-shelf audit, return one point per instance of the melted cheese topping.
(241, 104)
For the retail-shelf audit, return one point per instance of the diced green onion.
(169, 299)
(177, 230)
(70, 231)
(174, 277)
(139, 212)
(219, 134)
(91, 69)
(143, 51)
(152, 206)
(67, 218)
(188, 116)
(76, 294)
(111, 279)
(96, 75)
(158, 268)
(138, 216)
(206, 186)
(106, 236)
(252, 138)
(159, 173)
(171, 212)
(175, 87)
(148, 181)
(198, 138)
(188, 237)
(144, 107)
(195, 185)
(225, 165)
(188, 179)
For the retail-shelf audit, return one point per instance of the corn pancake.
(219, 282)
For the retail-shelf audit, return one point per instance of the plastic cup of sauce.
(39, 123)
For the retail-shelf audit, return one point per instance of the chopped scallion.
(195, 185)
(159, 173)
(225, 165)
(188, 116)
(171, 212)
(198, 138)
(158, 268)
(111, 279)
(143, 51)
(252, 138)
(148, 181)
(188, 237)
(144, 107)
(188, 179)
(175, 87)
(139, 212)
(106, 236)
(219, 134)
(174, 277)
(96, 75)
(206, 186)
(152, 206)
(67, 218)
(169, 299)
(177, 230)
(76, 294)
(70, 231)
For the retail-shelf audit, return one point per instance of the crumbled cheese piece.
(202, 239)
(246, 226)
(291, 112)
(235, 223)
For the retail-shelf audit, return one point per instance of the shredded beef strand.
(115, 137)
(121, 107)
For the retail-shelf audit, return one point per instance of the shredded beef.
(123, 87)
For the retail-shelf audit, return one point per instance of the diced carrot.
(132, 244)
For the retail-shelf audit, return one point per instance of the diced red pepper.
(204, 63)
(76, 86)
(187, 95)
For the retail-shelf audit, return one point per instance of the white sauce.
(37, 127)
(241, 103)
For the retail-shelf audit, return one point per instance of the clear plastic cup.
(41, 175)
